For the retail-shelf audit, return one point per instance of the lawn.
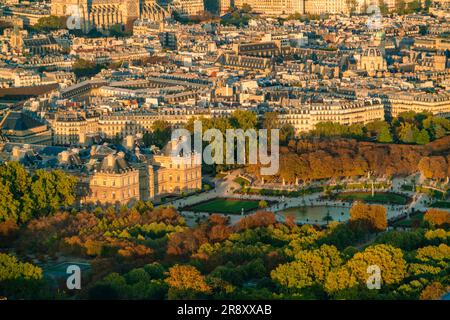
(230, 206)
(441, 204)
(408, 223)
(379, 197)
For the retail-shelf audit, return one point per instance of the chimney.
(129, 142)
(64, 157)
(110, 159)
(16, 153)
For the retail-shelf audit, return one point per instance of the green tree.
(84, 68)
(118, 31)
(287, 133)
(52, 190)
(50, 23)
(161, 133)
(414, 6)
(9, 207)
(400, 7)
(309, 268)
(271, 121)
(19, 280)
(423, 137)
(384, 9)
(385, 136)
(243, 119)
(408, 133)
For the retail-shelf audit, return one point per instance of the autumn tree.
(436, 217)
(434, 167)
(433, 291)
(309, 267)
(370, 217)
(259, 219)
(354, 273)
(186, 282)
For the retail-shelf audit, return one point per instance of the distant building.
(239, 62)
(305, 117)
(372, 61)
(70, 128)
(258, 49)
(102, 15)
(21, 127)
(273, 7)
(188, 7)
(326, 6)
(168, 40)
(437, 104)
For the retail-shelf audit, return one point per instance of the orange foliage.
(371, 217)
(186, 277)
(437, 217)
(259, 219)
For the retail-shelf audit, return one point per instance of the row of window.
(116, 195)
(125, 182)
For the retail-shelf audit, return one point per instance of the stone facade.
(305, 118)
(102, 14)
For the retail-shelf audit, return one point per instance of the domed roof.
(372, 52)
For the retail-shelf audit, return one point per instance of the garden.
(227, 206)
(378, 197)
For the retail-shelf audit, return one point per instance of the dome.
(372, 52)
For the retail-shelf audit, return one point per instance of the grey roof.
(114, 164)
(19, 121)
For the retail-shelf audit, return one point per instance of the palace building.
(175, 174)
(114, 180)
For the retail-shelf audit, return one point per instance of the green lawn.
(441, 204)
(379, 197)
(408, 223)
(230, 206)
(407, 187)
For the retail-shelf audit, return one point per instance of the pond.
(56, 272)
(316, 214)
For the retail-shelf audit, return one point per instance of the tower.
(132, 11)
(16, 39)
